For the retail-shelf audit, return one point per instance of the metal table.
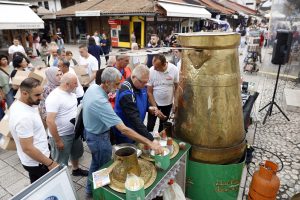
(176, 170)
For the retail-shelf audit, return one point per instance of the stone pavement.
(277, 135)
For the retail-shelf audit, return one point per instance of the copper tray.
(149, 157)
(148, 174)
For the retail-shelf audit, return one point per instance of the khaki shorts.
(73, 149)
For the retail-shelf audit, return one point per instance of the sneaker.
(80, 172)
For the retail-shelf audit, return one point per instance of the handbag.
(79, 126)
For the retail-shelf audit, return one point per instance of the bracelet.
(50, 164)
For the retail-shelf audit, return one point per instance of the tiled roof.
(108, 7)
(210, 4)
(70, 11)
(120, 7)
(193, 2)
(237, 7)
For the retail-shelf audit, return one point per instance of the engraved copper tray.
(148, 174)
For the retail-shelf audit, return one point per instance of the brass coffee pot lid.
(148, 174)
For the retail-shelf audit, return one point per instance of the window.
(46, 4)
(124, 35)
(40, 3)
(114, 33)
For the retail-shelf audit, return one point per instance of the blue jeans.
(10, 98)
(1, 113)
(101, 150)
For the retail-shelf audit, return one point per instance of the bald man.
(61, 107)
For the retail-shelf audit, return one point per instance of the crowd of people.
(114, 103)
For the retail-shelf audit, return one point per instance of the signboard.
(55, 185)
(87, 13)
(113, 21)
(22, 26)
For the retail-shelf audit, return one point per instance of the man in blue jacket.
(132, 104)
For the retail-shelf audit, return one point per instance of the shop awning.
(15, 15)
(180, 10)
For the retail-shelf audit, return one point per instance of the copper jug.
(209, 114)
(265, 184)
(127, 163)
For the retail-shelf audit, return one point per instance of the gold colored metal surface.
(210, 40)
(128, 164)
(209, 114)
(148, 174)
(149, 158)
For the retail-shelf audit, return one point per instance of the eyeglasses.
(142, 82)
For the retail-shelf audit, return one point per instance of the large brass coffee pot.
(209, 114)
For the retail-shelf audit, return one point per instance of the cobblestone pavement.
(277, 135)
(278, 138)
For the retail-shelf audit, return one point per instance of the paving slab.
(13, 159)
(11, 178)
(6, 154)
(292, 100)
(18, 186)
(7, 196)
(3, 192)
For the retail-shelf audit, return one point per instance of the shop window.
(124, 35)
(114, 33)
(46, 4)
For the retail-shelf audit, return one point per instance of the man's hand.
(160, 115)
(52, 166)
(59, 144)
(156, 147)
(152, 110)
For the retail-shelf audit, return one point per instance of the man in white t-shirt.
(28, 130)
(162, 85)
(96, 37)
(16, 47)
(64, 66)
(89, 62)
(61, 107)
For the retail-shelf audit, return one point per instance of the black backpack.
(79, 126)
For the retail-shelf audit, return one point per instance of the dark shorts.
(36, 172)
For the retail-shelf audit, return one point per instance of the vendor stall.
(176, 169)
